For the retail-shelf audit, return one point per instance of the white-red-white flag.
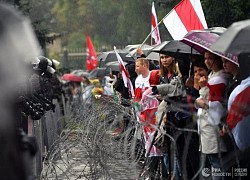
(125, 74)
(154, 26)
(238, 118)
(184, 17)
(91, 60)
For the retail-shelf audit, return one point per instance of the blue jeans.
(215, 160)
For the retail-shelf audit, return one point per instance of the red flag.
(186, 16)
(155, 34)
(91, 60)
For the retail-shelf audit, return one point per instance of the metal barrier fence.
(46, 130)
(76, 58)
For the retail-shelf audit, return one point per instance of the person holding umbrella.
(210, 109)
(231, 67)
(236, 40)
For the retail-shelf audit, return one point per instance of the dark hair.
(131, 70)
(86, 80)
(244, 65)
(199, 63)
(218, 58)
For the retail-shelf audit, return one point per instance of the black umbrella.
(114, 66)
(175, 49)
(244, 65)
(110, 56)
(98, 73)
(160, 46)
(235, 40)
(153, 56)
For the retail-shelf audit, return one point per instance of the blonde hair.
(178, 71)
(143, 61)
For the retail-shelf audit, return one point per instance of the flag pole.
(133, 53)
(158, 25)
(151, 32)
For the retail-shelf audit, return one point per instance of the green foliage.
(132, 22)
(224, 13)
(118, 22)
(77, 40)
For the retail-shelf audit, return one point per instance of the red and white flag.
(217, 86)
(91, 61)
(184, 17)
(125, 74)
(154, 26)
(238, 118)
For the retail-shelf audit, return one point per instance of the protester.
(97, 91)
(109, 82)
(233, 69)
(152, 65)
(87, 92)
(168, 71)
(125, 98)
(211, 110)
(142, 80)
(75, 89)
(238, 119)
(200, 70)
(149, 105)
(171, 91)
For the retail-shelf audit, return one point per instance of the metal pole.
(65, 59)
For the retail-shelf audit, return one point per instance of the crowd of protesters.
(170, 101)
(212, 100)
(190, 112)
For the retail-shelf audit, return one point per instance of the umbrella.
(71, 77)
(202, 40)
(176, 49)
(80, 72)
(145, 48)
(153, 56)
(114, 66)
(236, 39)
(158, 47)
(135, 46)
(98, 72)
(110, 56)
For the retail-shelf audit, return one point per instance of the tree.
(40, 15)
(224, 13)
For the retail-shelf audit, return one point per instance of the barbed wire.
(88, 149)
